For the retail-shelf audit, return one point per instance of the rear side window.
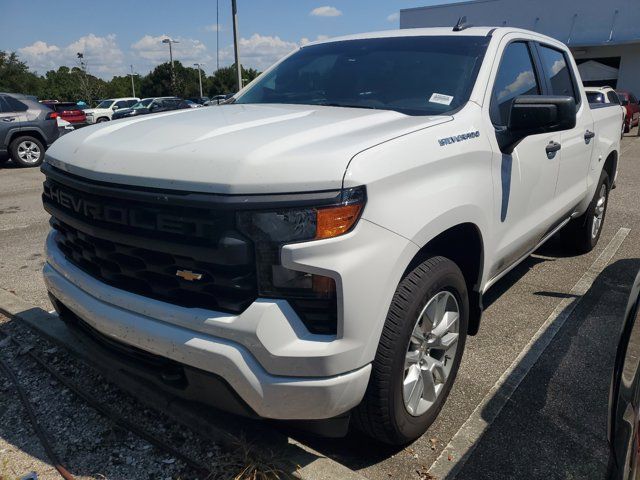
(122, 104)
(557, 72)
(595, 97)
(613, 98)
(516, 76)
(15, 105)
(632, 98)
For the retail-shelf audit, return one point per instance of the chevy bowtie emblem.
(188, 275)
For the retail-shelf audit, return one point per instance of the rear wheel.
(419, 353)
(27, 151)
(584, 232)
(102, 119)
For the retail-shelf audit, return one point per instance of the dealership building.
(604, 36)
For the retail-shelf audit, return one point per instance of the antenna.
(462, 24)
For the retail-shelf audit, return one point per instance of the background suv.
(27, 128)
(104, 110)
(68, 111)
(630, 103)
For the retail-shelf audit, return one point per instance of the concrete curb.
(303, 462)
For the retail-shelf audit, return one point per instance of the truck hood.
(232, 149)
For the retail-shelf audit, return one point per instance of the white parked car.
(104, 110)
(605, 96)
(319, 247)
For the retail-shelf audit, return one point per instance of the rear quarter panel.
(606, 125)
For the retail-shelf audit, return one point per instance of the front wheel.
(419, 353)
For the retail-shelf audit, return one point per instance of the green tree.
(15, 75)
(224, 81)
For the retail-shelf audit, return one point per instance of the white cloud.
(38, 49)
(319, 38)
(150, 51)
(394, 17)
(259, 51)
(101, 54)
(523, 82)
(214, 27)
(326, 11)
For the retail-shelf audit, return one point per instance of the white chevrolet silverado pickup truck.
(318, 249)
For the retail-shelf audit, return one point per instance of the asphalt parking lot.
(549, 423)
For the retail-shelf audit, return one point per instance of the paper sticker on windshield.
(441, 98)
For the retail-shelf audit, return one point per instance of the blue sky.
(116, 33)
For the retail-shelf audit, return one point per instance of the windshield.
(105, 104)
(142, 104)
(423, 75)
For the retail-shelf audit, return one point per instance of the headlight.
(312, 296)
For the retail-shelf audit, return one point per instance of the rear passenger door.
(577, 143)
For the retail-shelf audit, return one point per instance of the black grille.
(141, 245)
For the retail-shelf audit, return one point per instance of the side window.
(613, 98)
(130, 103)
(632, 98)
(4, 108)
(121, 104)
(15, 105)
(595, 97)
(557, 72)
(516, 76)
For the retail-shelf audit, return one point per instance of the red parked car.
(68, 111)
(630, 103)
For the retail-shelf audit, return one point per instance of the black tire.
(102, 119)
(627, 127)
(382, 414)
(580, 230)
(15, 147)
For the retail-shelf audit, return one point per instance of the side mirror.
(114, 108)
(535, 114)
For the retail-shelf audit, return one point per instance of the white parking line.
(459, 449)
(13, 227)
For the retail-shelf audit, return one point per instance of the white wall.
(577, 22)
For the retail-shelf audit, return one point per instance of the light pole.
(133, 87)
(234, 12)
(170, 41)
(200, 65)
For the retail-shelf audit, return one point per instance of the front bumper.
(265, 354)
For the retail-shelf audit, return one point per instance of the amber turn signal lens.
(335, 221)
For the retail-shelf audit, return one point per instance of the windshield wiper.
(345, 105)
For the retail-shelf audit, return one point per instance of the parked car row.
(151, 105)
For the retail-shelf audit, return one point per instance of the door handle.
(588, 135)
(552, 148)
(8, 119)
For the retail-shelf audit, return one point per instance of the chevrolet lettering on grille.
(147, 219)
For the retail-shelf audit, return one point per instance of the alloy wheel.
(29, 152)
(598, 213)
(430, 352)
